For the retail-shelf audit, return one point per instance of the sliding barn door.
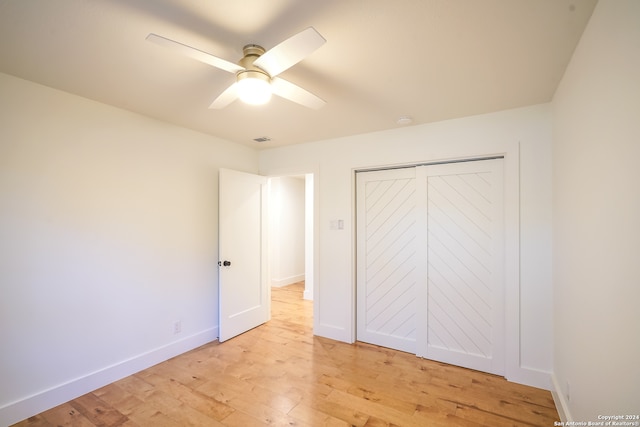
(430, 254)
(387, 258)
(465, 265)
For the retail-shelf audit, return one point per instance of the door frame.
(512, 368)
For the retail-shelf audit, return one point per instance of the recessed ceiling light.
(404, 120)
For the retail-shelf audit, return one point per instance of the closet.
(430, 261)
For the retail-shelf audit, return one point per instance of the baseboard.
(332, 332)
(308, 294)
(530, 376)
(561, 403)
(286, 281)
(47, 399)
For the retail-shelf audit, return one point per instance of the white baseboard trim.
(308, 294)
(332, 332)
(286, 281)
(47, 399)
(561, 403)
(530, 376)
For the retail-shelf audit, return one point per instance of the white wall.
(287, 230)
(309, 235)
(596, 218)
(334, 162)
(108, 235)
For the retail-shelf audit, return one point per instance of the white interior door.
(387, 258)
(430, 262)
(244, 295)
(465, 265)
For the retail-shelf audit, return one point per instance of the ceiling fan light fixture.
(255, 70)
(254, 87)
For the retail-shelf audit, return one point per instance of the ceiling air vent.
(262, 139)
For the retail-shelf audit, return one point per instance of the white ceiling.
(430, 59)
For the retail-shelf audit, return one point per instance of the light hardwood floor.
(279, 374)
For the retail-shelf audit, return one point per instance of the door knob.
(224, 263)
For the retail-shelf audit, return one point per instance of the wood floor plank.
(119, 398)
(281, 374)
(98, 411)
(313, 417)
(179, 411)
(240, 419)
(66, 415)
(426, 417)
(35, 421)
(206, 404)
(340, 411)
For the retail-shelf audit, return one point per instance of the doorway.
(247, 220)
(291, 233)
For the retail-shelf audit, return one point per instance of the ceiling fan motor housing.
(253, 84)
(251, 53)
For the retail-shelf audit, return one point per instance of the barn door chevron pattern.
(430, 261)
(464, 270)
(387, 220)
(459, 266)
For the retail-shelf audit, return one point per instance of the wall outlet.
(177, 327)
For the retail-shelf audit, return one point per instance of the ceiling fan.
(257, 72)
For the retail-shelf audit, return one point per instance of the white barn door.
(430, 253)
(387, 258)
(465, 265)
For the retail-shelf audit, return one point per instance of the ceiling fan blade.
(194, 53)
(295, 93)
(290, 52)
(225, 98)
